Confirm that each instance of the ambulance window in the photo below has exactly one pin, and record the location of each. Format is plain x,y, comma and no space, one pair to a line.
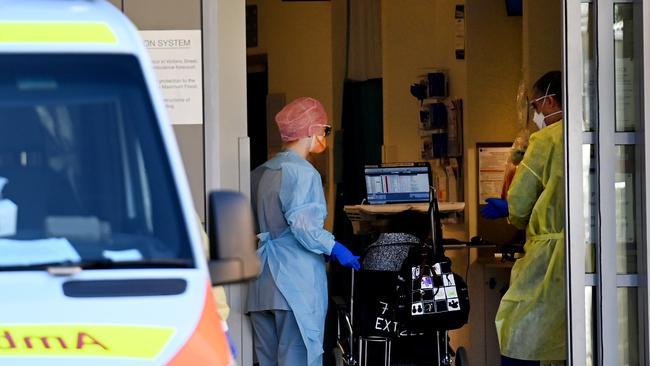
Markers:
86,169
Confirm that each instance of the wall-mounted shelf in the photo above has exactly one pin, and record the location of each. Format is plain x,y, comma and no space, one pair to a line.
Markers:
440,133
430,101
432,131
367,219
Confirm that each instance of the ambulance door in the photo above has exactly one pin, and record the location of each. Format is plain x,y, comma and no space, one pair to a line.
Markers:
606,54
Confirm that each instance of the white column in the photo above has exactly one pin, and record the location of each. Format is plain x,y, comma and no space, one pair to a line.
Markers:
574,219
227,161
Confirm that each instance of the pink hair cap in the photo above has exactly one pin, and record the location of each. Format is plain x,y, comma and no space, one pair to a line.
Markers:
296,118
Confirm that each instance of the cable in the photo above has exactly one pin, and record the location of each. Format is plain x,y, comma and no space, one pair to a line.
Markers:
467,269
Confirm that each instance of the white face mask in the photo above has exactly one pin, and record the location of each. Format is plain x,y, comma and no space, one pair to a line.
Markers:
318,144
538,118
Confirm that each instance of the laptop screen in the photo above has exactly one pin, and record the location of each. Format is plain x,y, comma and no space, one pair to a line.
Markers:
398,184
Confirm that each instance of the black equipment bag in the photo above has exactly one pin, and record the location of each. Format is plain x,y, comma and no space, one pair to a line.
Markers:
413,295
376,285
432,297
374,310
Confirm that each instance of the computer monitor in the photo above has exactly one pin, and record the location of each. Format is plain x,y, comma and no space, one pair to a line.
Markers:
398,183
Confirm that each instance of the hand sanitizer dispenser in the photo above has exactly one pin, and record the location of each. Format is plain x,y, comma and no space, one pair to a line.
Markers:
8,213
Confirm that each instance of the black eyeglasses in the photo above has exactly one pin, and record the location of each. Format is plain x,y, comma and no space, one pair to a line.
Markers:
327,130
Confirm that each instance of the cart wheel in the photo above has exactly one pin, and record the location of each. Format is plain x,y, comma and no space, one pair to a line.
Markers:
461,357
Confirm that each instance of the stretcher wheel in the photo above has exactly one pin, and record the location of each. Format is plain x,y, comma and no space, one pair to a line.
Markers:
461,357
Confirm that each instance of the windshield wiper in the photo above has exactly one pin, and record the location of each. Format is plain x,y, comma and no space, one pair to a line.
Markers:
70,267
142,263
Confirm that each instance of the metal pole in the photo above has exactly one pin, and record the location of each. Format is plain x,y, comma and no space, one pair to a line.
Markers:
352,318
438,346
447,360
352,299
389,352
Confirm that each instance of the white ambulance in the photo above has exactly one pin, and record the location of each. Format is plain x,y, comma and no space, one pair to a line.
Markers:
101,259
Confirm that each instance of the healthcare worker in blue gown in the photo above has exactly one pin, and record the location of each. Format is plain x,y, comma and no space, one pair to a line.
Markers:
287,303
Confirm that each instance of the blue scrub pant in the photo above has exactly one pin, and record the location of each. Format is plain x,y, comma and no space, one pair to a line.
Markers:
277,339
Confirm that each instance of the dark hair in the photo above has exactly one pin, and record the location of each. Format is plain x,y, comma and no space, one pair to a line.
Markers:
551,81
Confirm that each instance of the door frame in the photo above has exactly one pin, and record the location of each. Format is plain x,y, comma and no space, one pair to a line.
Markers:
574,218
606,280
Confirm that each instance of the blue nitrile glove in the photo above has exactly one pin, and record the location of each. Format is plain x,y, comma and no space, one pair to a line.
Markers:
495,208
231,344
345,257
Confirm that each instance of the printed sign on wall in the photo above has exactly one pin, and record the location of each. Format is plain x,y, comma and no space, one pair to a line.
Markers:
491,169
176,59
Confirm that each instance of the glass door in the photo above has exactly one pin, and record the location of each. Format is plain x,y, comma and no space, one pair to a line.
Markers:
606,164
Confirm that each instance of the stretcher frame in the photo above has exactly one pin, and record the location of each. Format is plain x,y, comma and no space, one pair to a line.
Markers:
345,336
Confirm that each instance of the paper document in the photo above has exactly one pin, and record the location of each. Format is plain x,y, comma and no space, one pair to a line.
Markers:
123,255
491,169
8,213
29,252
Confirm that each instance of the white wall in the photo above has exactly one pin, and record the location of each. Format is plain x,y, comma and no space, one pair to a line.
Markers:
175,15
298,39
339,54
501,52
542,38
494,64
494,70
416,35
227,163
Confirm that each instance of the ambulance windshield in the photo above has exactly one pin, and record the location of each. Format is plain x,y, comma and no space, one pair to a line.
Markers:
86,172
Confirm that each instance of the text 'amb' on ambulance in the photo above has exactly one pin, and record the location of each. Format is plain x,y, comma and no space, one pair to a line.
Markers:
101,259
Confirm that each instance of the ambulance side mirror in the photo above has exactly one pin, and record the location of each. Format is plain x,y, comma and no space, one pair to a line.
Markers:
233,256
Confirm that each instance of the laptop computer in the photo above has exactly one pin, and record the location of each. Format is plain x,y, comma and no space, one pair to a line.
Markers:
398,183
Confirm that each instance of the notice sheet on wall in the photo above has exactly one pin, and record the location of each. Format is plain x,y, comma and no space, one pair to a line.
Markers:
491,169
176,58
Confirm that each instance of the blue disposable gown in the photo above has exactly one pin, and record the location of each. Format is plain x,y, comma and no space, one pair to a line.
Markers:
289,204
531,320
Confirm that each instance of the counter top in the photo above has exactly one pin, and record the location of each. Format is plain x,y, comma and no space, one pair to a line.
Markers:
395,208
371,218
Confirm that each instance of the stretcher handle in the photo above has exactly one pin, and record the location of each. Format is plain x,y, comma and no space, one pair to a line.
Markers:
436,228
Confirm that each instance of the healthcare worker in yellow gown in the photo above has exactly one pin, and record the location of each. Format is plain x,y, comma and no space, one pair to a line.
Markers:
531,320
